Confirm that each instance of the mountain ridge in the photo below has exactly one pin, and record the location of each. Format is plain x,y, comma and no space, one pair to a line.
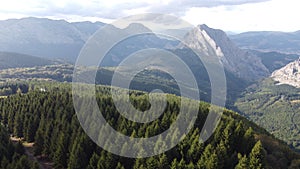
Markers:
240,62
17,60
285,42
45,37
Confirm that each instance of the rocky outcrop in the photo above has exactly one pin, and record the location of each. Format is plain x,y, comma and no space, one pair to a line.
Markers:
240,62
289,74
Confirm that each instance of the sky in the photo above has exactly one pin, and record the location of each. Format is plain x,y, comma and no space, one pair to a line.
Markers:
228,15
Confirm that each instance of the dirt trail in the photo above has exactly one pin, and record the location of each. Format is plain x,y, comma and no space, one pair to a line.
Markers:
43,164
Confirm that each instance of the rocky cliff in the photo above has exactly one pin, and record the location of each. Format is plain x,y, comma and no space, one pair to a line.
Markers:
289,74
240,62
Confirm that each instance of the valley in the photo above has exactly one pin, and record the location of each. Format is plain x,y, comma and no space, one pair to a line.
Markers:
259,128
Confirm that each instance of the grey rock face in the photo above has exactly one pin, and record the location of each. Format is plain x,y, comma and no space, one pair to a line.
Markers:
240,62
289,74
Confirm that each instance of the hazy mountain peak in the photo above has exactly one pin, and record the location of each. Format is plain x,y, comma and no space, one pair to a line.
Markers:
137,27
45,37
198,39
289,74
284,42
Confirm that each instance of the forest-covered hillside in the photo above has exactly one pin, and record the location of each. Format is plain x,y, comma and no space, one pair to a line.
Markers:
16,60
47,118
275,108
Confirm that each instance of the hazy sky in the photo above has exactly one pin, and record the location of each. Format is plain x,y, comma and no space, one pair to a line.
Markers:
229,15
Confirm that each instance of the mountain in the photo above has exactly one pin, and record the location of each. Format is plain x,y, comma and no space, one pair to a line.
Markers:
64,40
274,60
54,39
286,42
243,64
44,37
274,103
16,60
61,39
289,74
143,38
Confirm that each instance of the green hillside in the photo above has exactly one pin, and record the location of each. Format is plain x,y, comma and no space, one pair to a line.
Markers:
47,118
16,60
274,107
275,60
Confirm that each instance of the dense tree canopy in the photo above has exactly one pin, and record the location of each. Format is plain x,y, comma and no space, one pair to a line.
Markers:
47,118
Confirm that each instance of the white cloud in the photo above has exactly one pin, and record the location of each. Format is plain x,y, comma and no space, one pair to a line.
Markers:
276,15
104,8
234,15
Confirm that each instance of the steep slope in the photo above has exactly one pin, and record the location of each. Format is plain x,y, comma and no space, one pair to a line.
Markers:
239,62
286,42
61,39
15,60
274,60
45,37
274,103
64,40
274,107
132,44
289,74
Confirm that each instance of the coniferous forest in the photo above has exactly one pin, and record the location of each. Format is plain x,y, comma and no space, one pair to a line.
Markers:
47,118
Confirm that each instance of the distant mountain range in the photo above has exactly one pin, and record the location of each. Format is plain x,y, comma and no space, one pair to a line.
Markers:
16,60
54,39
44,37
286,42
274,60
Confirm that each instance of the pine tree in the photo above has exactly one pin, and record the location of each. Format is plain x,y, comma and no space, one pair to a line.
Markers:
222,155
4,162
93,161
30,130
163,161
249,141
61,154
47,138
205,157
174,164
35,165
20,148
18,126
243,162
212,162
39,142
151,163
257,157
106,161
191,166
23,163
181,164
120,166
194,152
78,152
